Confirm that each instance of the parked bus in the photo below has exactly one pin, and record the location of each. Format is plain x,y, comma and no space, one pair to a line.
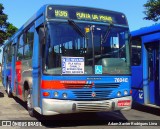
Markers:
145,65
70,59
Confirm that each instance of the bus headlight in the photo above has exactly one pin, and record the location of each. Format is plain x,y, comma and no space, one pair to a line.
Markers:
118,93
55,94
125,92
64,95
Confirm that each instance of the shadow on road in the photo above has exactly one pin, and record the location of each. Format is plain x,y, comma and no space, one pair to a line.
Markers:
1,94
20,102
77,119
80,119
147,109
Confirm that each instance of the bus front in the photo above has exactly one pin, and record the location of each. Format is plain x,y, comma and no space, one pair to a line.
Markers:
86,61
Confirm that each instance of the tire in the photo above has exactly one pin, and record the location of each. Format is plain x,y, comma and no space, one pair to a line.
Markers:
9,93
29,104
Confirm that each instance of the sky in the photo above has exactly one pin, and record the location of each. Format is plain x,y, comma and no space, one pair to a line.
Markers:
19,11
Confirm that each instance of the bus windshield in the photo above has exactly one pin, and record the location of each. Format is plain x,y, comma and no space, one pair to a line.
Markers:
100,46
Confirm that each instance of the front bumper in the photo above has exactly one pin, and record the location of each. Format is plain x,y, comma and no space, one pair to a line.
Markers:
54,106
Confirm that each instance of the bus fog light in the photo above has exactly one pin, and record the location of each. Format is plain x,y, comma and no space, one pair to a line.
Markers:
119,94
55,94
64,95
125,92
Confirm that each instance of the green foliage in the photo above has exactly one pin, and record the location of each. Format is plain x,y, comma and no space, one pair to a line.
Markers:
152,10
11,30
6,28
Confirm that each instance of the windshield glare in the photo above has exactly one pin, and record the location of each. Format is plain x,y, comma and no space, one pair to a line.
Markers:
64,42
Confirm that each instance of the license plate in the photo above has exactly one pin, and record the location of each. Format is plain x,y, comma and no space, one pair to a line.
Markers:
122,103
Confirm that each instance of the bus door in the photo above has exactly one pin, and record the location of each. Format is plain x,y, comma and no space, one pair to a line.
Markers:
153,69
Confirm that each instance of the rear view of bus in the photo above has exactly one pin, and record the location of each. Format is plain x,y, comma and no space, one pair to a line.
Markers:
80,61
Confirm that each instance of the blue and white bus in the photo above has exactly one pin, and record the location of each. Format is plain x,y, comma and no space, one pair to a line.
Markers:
70,59
145,65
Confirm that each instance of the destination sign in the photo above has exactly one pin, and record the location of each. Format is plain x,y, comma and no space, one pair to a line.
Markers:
72,65
85,14
93,17
61,13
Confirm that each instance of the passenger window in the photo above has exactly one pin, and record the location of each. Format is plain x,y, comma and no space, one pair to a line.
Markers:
28,47
136,51
20,48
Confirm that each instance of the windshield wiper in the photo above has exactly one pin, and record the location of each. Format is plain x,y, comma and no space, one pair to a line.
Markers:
77,28
107,33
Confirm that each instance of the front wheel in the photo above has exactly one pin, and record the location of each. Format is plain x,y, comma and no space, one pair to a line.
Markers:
9,93
29,105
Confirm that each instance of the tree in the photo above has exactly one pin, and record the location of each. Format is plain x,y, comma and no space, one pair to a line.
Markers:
152,10
6,29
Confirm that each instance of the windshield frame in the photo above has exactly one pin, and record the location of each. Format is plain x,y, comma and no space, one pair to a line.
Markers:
84,22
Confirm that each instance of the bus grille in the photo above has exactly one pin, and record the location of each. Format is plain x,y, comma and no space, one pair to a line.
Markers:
97,85
94,106
98,95
107,85
77,86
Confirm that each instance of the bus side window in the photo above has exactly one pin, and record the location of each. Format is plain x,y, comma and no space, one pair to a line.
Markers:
41,33
20,48
28,47
136,52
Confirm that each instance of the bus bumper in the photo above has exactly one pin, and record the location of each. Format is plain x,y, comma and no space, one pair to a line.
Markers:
54,106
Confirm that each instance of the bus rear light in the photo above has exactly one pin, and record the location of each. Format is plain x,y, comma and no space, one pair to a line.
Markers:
130,91
45,94
122,103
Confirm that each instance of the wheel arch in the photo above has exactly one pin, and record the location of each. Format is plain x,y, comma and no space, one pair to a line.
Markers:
27,85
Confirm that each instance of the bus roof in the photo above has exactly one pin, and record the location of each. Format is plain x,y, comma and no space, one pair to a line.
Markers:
43,9
37,14
146,30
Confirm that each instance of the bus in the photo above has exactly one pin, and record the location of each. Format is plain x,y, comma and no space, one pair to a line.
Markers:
145,65
70,59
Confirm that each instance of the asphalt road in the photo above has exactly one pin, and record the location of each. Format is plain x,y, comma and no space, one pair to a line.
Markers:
14,109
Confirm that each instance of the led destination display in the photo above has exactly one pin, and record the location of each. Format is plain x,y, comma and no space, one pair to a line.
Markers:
85,14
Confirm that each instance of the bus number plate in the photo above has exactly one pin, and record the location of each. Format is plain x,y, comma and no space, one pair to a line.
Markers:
121,79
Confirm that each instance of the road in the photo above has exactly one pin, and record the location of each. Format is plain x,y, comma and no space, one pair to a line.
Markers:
14,109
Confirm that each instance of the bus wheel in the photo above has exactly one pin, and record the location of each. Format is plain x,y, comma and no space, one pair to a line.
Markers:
9,89
29,105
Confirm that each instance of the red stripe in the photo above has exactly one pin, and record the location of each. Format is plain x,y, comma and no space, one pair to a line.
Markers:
50,84
19,77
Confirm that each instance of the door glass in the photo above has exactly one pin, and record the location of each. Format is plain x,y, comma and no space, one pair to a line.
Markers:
150,63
